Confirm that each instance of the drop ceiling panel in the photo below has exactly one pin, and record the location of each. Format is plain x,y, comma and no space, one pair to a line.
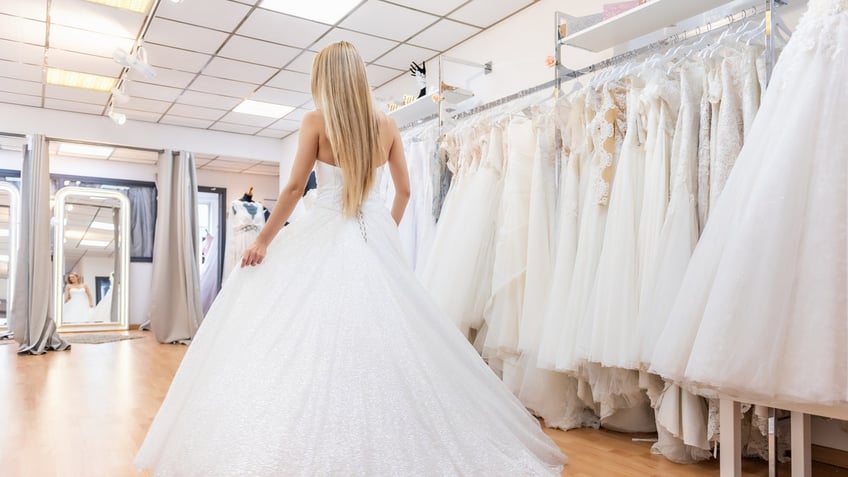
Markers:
218,14
23,99
238,70
291,80
175,58
264,170
188,122
10,85
286,125
21,52
247,119
196,112
22,29
379,75
73,61
189,37
258,51
67,38
76,94
400,57
370,47
209,100
138,115
278,28
485,13
273,133
74,106
280,96
303,63
436,7
444,35
36,10
235,128
297,114
208,84
97,18
152,91
9,69
150,105
388,21
166,77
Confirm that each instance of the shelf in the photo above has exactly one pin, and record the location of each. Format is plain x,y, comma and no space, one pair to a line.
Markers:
419,109
640,21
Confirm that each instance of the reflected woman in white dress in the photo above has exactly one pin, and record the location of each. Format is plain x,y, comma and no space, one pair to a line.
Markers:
78,301
323,355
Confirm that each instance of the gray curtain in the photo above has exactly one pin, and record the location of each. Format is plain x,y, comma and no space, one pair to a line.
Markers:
175,311
31,317
142,220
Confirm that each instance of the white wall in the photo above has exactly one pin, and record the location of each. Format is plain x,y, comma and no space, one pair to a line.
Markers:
265,188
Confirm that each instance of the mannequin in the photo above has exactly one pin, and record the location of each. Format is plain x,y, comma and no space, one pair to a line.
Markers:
419,72
247,218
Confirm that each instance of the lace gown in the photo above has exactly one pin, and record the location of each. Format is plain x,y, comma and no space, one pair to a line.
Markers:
331,359
762,308
246,221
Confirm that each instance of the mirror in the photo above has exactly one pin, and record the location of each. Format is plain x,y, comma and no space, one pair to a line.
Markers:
9,231
91,259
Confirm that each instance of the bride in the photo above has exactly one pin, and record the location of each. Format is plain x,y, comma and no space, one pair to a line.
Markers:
325,356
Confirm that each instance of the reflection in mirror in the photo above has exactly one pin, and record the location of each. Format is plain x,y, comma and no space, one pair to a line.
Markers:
9,230
91,260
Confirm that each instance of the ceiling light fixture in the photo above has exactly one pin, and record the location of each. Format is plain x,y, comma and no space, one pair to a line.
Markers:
138,6
118,118
102,226
86,150
4,232
258,108
119,94
75,79
137,62
94,243
329,11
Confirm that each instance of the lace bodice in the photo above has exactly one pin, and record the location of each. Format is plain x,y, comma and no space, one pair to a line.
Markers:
607,128
247,215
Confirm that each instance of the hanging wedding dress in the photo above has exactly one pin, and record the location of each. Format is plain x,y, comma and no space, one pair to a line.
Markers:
102,312
761,311
246,221
330,359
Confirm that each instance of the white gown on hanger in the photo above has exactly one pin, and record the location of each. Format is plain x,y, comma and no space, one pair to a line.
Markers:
331,359
246,221
102,313
761,311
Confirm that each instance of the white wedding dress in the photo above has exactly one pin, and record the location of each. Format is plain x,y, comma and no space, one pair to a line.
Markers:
761,311
76,310
245,223
330,359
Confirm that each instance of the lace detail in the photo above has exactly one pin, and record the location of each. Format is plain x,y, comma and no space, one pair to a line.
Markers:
817,34
826,7
607,128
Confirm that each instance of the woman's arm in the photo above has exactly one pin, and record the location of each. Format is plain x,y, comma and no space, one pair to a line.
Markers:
399,171
67,293
90,298
304,162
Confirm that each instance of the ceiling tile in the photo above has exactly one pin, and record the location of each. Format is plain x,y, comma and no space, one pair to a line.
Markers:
238,70
262,169
166,77
291,80
218,14
280,96
25,8
286,125
297,114
152,91
23,99
283,29
76,94
436,7
150,105
379,75
174,58
197,98
139,115
444,35
235,128
247,119
9,69
370,47
258,51
188,122
400,57
22,29
73,61
208,84
274,133
21,52
72,106
388,21
485,13
303,63
97,18
10,85
67,38
189,37
196,112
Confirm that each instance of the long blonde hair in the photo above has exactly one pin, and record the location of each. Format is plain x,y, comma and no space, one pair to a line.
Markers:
340,90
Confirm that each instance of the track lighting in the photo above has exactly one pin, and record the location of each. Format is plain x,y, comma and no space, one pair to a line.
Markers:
137,62
118,118
120,95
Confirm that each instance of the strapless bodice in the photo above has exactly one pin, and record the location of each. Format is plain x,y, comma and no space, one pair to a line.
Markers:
330,184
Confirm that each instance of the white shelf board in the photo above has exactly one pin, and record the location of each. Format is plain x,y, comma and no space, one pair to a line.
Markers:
640,21
418,109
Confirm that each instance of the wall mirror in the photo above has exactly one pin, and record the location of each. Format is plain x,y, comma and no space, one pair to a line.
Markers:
91,259
9,233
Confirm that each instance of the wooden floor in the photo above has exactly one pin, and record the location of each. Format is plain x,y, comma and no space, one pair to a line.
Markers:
84,413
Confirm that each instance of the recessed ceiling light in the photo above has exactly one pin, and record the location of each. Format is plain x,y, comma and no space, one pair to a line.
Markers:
4,258
74,234
76,79
138,6
328,11
102,226
87,150
258,108
94,243
4,232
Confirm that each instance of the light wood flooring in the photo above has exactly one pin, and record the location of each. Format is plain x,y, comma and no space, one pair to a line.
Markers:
84,413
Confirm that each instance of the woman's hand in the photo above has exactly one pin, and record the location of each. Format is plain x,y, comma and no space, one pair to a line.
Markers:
254,255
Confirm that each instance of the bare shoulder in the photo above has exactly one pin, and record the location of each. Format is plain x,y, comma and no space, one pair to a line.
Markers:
387,121
312,118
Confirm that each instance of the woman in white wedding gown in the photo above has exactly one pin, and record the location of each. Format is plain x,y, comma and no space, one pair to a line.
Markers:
78,301
327,357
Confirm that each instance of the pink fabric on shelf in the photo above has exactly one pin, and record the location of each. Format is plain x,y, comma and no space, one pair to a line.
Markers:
617,8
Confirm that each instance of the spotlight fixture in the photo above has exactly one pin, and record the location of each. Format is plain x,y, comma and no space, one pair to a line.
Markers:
118,118
137,62
119,94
